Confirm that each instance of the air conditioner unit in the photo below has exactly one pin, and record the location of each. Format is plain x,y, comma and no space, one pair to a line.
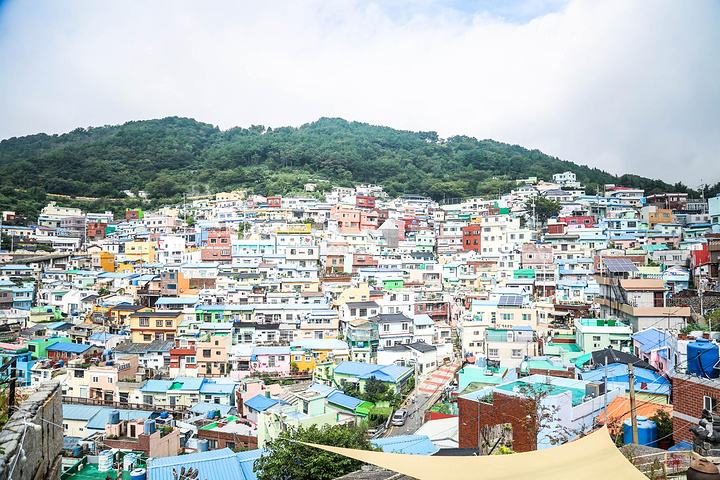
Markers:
594,389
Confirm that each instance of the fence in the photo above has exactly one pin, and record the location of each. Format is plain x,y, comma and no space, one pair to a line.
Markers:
8,381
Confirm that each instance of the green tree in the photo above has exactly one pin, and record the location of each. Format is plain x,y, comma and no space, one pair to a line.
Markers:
285,459
544,209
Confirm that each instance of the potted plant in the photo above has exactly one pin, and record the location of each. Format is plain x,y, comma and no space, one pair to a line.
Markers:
664,422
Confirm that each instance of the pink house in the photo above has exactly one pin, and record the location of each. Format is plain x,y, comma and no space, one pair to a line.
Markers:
252,387
273,360
103,379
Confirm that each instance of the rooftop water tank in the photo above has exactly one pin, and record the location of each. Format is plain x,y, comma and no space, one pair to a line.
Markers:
114,417
149,427
202,445
647,432
105,460
164,415
702,356
138,474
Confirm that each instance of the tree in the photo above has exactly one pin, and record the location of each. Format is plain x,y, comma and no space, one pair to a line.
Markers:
544,209
285,459
542,416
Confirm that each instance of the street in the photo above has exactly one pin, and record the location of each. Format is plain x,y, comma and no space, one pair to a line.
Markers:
429,386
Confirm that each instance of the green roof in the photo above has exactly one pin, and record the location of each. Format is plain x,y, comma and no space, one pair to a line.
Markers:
568,347
582,360
577,393
176,386
542,365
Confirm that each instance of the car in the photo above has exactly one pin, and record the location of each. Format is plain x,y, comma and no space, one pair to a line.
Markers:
399,418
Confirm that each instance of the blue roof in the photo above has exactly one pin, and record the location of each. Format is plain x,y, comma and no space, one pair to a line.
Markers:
385,373
214,464
102,418
422,319
205,407
522,328
346,401
156,386
645,380
209,388
261,403
190,383
80,412
650,339
56,325
407,444
68,347
323,390
101,336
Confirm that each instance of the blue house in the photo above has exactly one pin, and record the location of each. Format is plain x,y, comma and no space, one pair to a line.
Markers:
648,384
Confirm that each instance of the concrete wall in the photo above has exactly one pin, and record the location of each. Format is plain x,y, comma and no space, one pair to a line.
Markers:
42,447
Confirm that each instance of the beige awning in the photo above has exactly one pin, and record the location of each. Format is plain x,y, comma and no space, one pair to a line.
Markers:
591,457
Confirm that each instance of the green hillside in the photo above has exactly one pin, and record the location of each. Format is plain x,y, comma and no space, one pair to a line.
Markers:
173,155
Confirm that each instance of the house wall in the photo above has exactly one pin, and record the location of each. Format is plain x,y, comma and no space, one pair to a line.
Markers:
688,394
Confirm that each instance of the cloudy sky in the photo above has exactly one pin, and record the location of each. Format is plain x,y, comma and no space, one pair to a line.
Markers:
628,86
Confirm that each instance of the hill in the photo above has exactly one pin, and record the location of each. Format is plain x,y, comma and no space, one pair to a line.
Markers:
173,155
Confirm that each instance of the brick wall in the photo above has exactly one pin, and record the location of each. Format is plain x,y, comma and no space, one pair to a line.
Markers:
222,438
504,409
688,393
550,373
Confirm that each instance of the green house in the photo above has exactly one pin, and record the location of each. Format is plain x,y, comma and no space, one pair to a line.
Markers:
38,347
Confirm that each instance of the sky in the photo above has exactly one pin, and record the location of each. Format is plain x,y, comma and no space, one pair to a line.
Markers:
628,86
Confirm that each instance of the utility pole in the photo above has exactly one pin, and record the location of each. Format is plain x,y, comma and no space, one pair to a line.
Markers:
633,411
605,391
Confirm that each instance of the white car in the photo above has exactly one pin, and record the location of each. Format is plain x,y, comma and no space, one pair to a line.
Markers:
399,418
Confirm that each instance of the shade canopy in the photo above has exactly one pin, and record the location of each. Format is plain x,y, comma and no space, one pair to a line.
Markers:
591,457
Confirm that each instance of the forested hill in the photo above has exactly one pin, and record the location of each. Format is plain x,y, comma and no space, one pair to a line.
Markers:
173,155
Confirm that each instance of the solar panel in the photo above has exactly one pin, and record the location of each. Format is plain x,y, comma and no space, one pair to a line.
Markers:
617,265
510,301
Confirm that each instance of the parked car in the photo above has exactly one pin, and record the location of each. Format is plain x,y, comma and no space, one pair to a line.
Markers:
399,418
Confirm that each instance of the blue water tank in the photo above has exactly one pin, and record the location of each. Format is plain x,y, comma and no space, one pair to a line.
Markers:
138,474
77,451
702,356
61,363
647,432
164,415
114,417
211,414
149,427
202,445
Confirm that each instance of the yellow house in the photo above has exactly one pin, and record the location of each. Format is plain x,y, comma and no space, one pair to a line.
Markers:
300,284
104,260
144,251
147,325
361,293
305,355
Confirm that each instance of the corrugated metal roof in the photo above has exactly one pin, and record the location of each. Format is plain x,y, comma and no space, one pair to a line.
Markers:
68,347
80,412
407,444
261,403
217,388
102,418
215,464
205,407
339,398
156,386
190,383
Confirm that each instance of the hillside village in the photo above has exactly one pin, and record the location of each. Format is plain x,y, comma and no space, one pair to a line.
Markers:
209,327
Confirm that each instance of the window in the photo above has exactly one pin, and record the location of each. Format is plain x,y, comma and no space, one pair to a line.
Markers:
147,338
281,358
144,322
492,352
168,323
404,327
95,379
516,353
158,323
386,327
710,404
596,338
206,353
109,380
159,336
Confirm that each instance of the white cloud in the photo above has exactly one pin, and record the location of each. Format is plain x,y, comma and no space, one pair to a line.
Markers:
628,86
